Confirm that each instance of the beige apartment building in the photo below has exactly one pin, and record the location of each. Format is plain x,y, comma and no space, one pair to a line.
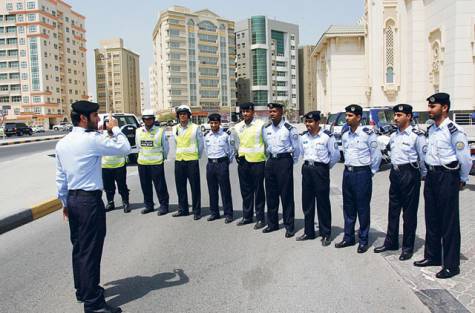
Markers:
117,78
42,60
194,56
307,77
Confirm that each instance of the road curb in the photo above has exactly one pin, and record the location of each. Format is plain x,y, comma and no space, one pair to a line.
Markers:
28,215
30,140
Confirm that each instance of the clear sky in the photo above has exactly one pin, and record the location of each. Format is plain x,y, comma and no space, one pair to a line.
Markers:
134,21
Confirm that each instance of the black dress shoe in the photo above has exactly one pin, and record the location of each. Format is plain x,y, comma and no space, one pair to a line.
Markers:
178,214
362,248
289,233
105,309
426,262
161,213
405,255
228,220
110,206
383,248
268,230
259,225
344,244
126,206
304,237
447,273
244,221
326,241
196,217
213,218
147,210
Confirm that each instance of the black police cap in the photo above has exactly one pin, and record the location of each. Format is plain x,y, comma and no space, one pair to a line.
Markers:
246,106
85,107
214,117
312,115
403,108
440,97
355,109
275,105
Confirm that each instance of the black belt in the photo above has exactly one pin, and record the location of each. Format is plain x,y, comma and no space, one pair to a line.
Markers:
357,168
314,163
406,166
281,155
218,160
453,166
80,192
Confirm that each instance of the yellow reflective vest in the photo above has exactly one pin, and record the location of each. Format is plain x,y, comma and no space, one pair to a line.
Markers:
186,143
251,143
150,145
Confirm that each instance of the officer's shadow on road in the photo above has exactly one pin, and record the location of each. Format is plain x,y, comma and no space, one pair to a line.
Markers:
129,289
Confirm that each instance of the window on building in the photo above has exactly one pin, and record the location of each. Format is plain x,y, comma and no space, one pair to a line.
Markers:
389,51
30,5
19,6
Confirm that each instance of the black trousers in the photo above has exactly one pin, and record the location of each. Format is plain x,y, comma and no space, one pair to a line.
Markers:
154,174
188,170
251,182
441,194
280,184
403,195
316,184
113,176
87,224
217,176
357,192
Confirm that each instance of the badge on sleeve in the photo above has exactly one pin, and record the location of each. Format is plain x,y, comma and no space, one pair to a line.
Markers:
336,145
374,144
295,136
424,149
232,142
460,145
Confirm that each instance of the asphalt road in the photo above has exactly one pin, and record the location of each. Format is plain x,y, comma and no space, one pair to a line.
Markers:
24,149
166,264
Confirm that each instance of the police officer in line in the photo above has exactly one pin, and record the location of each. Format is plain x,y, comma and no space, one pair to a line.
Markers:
448,165
407,146
153,151
362,160
220,154
320,153
251,157
79,182
189,146
283,150
114,171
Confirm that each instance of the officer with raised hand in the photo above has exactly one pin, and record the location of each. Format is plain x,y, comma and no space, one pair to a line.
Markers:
283,150
114,171
189,146
79,182
407,145
220,154
320,153
249,144
153,151
362,160
448,165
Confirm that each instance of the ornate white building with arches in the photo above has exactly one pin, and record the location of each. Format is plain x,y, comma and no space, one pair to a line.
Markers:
401,51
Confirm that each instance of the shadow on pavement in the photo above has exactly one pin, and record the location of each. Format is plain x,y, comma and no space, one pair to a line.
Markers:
129,289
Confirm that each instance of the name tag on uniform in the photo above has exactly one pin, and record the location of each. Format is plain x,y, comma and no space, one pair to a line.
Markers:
269,133
146,143
406,143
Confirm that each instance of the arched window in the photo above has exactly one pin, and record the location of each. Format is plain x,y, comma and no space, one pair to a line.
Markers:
206,25
191,22
389,52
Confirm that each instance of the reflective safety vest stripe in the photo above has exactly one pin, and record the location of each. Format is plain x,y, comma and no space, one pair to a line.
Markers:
251,143
113,161
150,146
186,143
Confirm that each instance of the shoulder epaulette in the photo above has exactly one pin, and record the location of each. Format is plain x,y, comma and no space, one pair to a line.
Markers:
206,133
418,132
452,128
304,133
288,126
269,123
92,131
329,133
345,129
228,132
367,130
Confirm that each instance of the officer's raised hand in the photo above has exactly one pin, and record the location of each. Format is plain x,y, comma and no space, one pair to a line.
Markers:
111,123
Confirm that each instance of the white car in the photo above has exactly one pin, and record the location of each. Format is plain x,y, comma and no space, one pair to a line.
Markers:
63,126
38,129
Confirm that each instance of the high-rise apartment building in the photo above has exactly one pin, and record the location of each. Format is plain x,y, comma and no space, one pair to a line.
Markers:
42,60
267,63
117,78
194,55
307,80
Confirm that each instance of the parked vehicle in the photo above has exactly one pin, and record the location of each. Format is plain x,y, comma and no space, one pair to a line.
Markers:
38,129
128,124
63,126
472,152
18,129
